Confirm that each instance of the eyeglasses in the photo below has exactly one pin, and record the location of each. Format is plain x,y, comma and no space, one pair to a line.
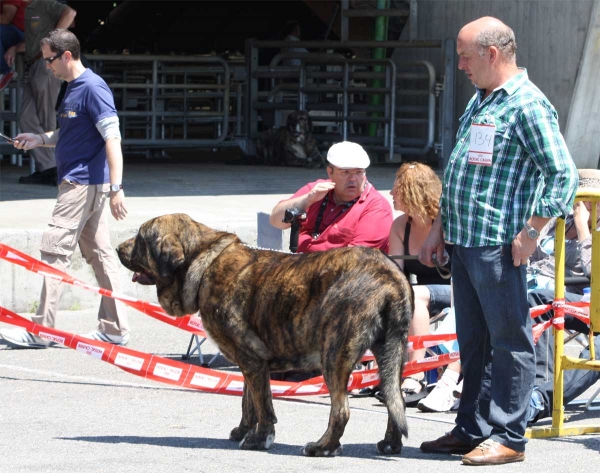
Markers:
346,173
50,60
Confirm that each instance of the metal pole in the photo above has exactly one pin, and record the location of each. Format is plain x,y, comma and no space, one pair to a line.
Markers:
448,102
380,34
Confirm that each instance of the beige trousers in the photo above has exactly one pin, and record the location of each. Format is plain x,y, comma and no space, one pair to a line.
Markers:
81,216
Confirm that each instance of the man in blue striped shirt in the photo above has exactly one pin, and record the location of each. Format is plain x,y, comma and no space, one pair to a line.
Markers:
509,173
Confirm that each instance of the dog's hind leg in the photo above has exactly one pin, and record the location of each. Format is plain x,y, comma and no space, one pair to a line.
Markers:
336,373
389,359
249,419
256,381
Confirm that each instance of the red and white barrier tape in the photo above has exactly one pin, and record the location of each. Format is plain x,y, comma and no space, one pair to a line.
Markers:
196,377
192,324
189,323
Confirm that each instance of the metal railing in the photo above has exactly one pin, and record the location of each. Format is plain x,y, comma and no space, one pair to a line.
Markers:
171,101
207,102
338,90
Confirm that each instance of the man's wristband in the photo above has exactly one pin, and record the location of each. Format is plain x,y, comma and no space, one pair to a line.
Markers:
116,187
43,139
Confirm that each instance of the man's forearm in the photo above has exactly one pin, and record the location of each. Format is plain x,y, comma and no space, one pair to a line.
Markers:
7,15
538,222
50,138
114,156
66,18
276,218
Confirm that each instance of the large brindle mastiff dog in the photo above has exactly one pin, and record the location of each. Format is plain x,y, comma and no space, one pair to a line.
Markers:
270,311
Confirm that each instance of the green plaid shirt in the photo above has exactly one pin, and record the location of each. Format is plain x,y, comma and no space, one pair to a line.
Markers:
532,172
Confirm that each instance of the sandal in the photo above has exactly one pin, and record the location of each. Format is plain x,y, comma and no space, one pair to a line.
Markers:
411,395
366,392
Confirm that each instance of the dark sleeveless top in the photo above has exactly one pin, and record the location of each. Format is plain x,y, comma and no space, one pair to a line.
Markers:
425,274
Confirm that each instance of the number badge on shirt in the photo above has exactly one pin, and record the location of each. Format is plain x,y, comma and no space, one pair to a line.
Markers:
481,149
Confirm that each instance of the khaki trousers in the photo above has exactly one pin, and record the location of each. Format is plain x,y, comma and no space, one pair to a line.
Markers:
37,114
81,216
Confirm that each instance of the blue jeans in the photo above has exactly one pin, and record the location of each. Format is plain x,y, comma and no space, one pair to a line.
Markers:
493,327
440,297
9,36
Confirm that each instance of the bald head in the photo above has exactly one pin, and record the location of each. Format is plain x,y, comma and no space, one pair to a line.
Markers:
488,31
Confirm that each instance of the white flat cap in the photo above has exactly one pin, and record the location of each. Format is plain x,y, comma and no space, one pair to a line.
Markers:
348,155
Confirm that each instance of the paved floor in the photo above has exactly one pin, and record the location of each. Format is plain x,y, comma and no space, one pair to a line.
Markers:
211,191
62,411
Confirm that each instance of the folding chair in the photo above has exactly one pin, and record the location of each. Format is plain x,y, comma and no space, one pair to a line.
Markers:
197,348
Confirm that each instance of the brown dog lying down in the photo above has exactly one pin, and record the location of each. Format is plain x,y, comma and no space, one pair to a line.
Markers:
270,311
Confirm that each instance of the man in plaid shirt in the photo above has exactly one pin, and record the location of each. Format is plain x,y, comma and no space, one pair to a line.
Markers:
509,173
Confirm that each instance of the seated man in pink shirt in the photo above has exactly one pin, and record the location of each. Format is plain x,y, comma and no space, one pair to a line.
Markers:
344,210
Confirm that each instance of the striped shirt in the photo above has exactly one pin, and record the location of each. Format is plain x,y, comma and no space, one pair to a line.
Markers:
532,172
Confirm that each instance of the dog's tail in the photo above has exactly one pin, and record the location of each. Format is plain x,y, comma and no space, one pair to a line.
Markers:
391,358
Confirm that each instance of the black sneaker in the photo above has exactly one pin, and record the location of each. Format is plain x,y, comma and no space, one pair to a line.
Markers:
49,176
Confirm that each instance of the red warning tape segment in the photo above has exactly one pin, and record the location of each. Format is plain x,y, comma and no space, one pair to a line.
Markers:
189,323
142,364
558,320
196,377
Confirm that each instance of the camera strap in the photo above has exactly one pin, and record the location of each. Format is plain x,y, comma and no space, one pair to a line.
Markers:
316,233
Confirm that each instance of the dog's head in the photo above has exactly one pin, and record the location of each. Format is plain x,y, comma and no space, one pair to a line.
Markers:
161,254
299,124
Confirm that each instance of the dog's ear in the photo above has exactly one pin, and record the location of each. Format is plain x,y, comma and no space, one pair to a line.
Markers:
292,121
309,121
168,255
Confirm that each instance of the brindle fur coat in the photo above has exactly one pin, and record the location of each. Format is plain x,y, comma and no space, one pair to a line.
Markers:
270,311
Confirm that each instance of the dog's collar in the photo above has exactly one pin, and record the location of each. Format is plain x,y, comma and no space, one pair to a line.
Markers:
196,271
265,249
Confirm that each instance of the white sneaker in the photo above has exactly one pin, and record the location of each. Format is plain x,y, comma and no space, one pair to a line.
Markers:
120,340
19,338
458,389
441,399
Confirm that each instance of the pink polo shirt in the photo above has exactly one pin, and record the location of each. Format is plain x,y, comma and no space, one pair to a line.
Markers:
366,223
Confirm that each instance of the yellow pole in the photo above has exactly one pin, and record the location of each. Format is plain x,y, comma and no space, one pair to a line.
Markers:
594,283
559,295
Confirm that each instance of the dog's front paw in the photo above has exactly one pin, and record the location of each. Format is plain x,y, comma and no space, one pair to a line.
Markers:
314,449
259,439
389,448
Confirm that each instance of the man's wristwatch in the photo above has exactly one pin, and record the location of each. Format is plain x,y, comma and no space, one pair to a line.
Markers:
116,187
531,232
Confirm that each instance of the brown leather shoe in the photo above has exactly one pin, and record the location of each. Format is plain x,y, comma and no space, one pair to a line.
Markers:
447,443
491,452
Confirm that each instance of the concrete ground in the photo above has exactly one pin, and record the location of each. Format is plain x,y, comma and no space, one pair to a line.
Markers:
61,411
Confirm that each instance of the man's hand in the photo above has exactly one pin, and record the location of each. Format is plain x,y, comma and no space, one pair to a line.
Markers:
9,56
522,248
318,192
434,244
117,205
27,141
